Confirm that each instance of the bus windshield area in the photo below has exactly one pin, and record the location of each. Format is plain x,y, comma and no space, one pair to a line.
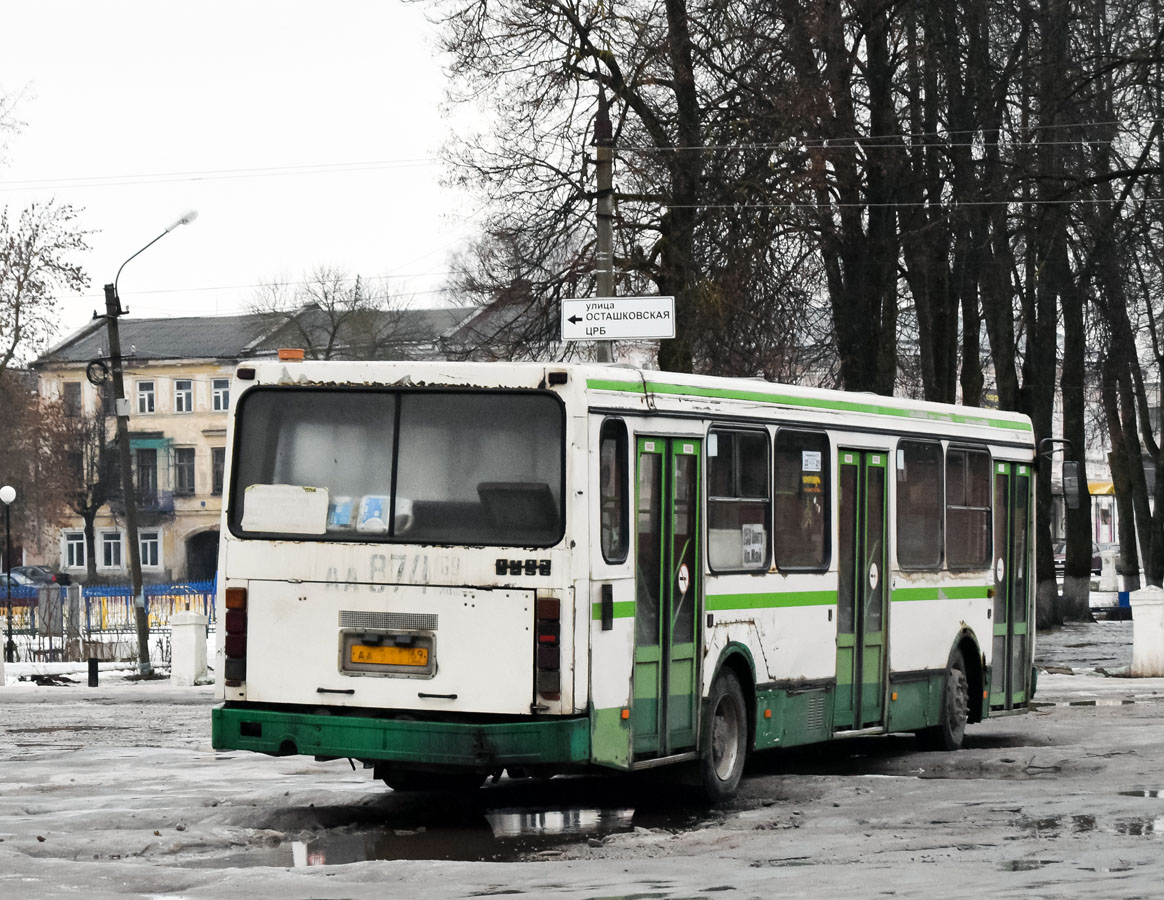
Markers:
435,467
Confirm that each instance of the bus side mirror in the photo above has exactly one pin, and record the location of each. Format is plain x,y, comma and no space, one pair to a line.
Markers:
1071,483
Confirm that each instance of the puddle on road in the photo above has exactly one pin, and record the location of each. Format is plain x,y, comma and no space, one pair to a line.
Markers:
500,835
1026,865
1142,793
497,835
1055,826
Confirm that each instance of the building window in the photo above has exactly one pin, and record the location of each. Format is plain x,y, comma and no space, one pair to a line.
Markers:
145,396
218,467
919,504
148,541
221,391
75,461
111,549
147,474
967,508
737,502
75,550
802,503
71,398
183,395
184,470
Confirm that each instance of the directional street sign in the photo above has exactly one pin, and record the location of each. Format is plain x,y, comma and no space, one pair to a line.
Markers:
618,318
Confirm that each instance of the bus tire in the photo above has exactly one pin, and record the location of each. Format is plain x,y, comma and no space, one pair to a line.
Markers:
950,731
724,749
402,778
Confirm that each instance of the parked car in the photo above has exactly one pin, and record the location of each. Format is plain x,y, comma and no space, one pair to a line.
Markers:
19,584
42,575
1061,558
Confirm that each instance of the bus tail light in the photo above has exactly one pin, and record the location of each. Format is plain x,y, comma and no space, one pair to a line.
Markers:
548,632
235,666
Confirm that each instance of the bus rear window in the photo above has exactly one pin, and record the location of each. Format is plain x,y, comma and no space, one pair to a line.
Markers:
480,467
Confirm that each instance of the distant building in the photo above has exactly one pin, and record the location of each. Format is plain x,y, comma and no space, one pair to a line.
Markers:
177,380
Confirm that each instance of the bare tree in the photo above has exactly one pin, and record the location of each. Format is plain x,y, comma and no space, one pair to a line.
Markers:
36,251
330,314
33,459
91,465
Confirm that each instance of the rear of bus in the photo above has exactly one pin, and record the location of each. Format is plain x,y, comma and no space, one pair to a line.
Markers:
394,579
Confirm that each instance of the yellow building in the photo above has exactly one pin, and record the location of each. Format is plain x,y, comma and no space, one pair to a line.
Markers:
177,379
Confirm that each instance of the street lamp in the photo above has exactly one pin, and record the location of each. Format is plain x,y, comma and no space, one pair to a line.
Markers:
112,311
7,495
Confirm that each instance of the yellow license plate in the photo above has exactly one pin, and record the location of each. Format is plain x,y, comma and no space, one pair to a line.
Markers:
389,656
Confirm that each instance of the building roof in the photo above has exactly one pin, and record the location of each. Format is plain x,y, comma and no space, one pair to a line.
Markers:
228,338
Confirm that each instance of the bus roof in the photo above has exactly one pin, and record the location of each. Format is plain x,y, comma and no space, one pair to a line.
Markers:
634,388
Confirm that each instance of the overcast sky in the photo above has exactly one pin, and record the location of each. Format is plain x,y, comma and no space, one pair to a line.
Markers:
304,133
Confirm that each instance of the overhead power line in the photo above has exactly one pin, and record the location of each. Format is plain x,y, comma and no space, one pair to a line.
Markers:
256,285
126,179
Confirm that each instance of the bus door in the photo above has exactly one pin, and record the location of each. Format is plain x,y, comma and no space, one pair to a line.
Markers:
861,591
1011,648
667,576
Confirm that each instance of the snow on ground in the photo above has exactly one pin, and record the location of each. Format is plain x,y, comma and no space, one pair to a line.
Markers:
114,792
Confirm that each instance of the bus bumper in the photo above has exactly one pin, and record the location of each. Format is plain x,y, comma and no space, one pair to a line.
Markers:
477,746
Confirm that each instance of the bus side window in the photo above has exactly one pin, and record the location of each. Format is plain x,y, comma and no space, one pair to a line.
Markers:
919,504
968,534
737,500
801,468
612,491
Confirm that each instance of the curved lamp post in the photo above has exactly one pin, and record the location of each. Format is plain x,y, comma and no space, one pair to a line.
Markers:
112,311
7,495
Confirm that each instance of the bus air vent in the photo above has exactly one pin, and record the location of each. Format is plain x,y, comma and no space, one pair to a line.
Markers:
387,621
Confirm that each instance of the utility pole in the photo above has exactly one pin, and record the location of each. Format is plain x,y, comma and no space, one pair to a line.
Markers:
112,311
603,154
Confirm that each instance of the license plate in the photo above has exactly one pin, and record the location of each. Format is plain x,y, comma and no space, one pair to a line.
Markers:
388,656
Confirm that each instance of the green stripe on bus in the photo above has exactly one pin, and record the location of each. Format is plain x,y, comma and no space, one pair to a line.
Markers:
854,406
969,592
624,609
721,602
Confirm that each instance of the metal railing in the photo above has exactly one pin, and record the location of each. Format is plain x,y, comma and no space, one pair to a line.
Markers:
49,624
111,607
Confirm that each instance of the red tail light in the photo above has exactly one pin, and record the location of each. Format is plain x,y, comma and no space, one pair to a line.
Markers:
548,630
235,666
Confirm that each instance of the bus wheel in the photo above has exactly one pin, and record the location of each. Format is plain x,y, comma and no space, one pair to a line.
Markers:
402,778
724,746
951,728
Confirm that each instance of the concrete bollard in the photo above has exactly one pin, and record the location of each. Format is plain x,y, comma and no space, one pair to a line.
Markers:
1147,633
187,648
93,670
1108,577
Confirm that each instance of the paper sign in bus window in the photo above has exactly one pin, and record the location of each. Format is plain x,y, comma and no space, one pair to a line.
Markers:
373,515
340,514
810,460
285,509
754,540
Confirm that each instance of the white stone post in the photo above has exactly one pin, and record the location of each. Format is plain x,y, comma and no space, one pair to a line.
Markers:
1147,632
187,648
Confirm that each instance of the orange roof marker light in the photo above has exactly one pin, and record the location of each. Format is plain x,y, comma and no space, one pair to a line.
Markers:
290,354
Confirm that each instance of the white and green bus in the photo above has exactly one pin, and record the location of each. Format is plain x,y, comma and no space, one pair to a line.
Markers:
451,570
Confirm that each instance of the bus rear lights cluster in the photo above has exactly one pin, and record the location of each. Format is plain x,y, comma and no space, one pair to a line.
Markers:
235,671
547,628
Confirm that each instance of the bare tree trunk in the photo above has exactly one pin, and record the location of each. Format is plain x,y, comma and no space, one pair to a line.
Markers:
1077,577
678,253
